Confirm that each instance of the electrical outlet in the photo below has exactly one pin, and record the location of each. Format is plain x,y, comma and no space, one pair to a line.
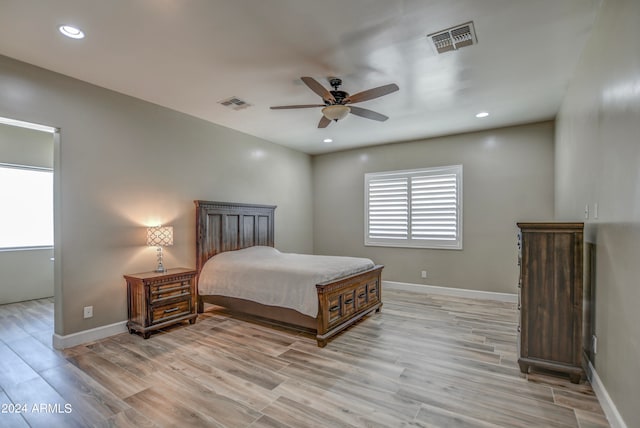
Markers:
595,344
88,311
423,274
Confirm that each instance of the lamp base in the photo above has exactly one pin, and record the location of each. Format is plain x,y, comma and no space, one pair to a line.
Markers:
160,268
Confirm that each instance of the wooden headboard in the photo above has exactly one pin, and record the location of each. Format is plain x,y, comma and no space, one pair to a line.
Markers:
226,226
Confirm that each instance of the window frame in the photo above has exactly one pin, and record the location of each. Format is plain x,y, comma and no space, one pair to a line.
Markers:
35,246
409,241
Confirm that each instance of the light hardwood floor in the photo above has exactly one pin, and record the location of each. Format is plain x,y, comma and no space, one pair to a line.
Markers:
424,361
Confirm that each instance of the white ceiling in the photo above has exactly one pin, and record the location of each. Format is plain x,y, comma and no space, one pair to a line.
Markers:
188,55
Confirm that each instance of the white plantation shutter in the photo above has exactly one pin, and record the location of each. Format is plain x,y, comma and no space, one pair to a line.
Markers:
434,207
389,208
415,208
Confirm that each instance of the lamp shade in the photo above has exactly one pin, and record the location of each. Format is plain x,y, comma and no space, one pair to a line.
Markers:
160,236
336,112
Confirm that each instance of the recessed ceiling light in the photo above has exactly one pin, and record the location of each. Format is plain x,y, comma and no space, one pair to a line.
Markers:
482,114
327,140
71,31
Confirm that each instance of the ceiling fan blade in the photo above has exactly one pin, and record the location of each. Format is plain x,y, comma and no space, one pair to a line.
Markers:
369,114
297,106
372,93
318,88
324,122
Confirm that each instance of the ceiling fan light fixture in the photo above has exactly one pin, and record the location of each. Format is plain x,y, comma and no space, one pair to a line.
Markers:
336,112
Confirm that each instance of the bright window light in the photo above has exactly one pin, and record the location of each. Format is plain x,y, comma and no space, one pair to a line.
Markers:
328,140
71,31
482,114
22,226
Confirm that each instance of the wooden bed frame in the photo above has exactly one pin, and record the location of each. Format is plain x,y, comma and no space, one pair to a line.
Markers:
222,226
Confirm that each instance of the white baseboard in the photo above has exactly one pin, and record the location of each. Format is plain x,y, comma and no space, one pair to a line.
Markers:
74,339
458,292
608,406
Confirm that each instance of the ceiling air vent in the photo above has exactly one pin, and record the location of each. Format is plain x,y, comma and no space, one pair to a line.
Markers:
453,38
234,103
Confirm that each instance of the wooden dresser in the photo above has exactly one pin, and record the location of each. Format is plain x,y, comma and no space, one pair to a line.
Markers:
159,299
551,297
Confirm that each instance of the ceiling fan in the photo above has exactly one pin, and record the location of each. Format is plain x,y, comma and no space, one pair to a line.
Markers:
337,103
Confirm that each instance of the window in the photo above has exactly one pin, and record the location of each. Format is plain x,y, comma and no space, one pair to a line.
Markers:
26,216
419,208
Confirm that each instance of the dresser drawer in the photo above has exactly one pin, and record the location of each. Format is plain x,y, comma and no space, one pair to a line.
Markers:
165,312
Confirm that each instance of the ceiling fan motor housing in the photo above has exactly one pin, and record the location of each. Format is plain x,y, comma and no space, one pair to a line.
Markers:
340,96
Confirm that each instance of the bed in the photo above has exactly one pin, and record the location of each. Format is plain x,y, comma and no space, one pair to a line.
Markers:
223,227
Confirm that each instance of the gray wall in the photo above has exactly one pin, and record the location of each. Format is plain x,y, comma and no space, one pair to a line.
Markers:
598,161
25,274
122,164
508,177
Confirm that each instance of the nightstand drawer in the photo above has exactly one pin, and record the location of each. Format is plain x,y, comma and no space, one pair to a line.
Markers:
163,292
172,310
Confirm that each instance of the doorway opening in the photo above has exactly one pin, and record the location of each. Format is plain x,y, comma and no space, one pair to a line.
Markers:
27,226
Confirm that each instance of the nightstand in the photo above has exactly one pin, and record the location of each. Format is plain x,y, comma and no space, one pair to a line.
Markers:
159,299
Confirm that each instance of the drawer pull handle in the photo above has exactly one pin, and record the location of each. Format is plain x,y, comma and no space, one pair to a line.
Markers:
373,290
362,295
170,290
168,311
348,301
334,308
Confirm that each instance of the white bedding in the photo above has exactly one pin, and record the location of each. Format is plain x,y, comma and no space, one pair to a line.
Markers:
267,276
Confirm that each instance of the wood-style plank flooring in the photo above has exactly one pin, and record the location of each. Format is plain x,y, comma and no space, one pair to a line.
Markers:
424,361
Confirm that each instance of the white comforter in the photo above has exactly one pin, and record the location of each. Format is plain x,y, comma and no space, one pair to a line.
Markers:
267,276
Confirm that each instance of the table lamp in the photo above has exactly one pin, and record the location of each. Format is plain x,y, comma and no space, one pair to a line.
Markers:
160,236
